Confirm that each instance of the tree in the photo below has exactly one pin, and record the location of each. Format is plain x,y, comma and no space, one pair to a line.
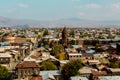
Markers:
97,47
71,68
114,65
57,51
101,37
45,32
3,72
48,66
72,33
57,48
87,42
1,33
61,56
72,42
45,42
39,36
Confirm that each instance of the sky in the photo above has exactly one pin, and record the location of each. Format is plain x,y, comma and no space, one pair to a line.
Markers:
60,9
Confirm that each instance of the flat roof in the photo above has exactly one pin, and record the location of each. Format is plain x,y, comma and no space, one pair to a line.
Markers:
76,54
78,78
115,69
85,70
5,55
109,78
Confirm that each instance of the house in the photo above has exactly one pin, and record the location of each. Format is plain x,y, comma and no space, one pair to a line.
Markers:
74,56
39,56
51,75
2,49
15,40
95,74
32,38
115,71
76,46
109,78
4,43
35,78
15,54
98,73
91,62
85,71
29,45
87,56
78,78
5,59
31,78
27,68
90,51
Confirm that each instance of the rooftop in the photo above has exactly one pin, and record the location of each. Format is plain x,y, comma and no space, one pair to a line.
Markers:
49,74
78,78
115,69
85,70
109,78
75,54
27,64
5,55
98,73
35,78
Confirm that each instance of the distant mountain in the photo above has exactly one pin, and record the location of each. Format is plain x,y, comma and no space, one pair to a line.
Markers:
21,26
70,22
7,22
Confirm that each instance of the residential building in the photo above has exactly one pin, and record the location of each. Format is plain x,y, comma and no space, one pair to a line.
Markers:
26,69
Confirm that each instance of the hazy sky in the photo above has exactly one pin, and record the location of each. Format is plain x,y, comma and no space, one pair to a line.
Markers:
61,9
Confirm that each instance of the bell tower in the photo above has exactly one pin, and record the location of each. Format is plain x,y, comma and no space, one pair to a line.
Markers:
65,37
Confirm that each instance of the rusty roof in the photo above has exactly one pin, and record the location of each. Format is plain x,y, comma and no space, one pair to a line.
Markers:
27,64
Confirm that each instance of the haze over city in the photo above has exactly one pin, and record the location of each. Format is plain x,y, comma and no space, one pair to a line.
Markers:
60,9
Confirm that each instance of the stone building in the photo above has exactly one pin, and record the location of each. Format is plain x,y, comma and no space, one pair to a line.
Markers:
27,69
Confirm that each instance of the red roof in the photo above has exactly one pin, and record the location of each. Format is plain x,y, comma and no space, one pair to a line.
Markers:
35,78
71,52
106,67
114,55
27,64
98,73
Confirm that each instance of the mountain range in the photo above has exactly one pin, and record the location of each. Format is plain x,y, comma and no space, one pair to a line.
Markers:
69,22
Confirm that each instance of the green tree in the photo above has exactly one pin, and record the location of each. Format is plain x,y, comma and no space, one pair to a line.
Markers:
1,33
6,34
72,33
48,66
57,48
45,32
61,56
45,42
57,51
72,42
3,72
39,36
114,65
71,68
101,37
87,42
